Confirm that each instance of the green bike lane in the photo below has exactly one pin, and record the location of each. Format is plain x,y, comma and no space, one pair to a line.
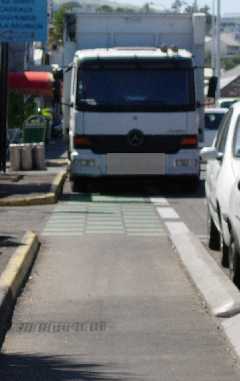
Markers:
108,299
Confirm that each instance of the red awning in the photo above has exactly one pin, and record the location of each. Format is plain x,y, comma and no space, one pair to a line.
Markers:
32,82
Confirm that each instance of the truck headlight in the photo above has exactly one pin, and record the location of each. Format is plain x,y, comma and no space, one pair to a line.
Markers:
185,163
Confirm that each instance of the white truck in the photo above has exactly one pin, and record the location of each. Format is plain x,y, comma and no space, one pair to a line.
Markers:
134,94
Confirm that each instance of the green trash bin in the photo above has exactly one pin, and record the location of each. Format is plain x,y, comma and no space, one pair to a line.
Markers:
34,135
35,129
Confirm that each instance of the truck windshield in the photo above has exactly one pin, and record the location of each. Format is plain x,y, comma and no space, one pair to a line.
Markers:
135,89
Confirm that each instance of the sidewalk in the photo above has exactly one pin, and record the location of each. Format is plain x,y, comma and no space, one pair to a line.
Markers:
33,183
111,303
15,187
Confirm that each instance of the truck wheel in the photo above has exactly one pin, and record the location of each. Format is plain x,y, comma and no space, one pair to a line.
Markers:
214,239
192,184
234,264
79,185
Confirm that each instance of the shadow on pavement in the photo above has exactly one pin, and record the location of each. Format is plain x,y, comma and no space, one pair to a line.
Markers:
55,150
20,189
8,241
25,367
140,188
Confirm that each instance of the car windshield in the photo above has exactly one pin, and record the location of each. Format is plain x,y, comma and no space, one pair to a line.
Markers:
133,88
213,120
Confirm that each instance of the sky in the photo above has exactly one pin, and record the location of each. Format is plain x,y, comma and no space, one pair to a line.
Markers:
227,6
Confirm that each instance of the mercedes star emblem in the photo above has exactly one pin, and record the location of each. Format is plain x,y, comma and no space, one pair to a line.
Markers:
135,138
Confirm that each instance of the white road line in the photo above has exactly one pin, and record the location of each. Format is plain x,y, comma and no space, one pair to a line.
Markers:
177,227
168,213
159,200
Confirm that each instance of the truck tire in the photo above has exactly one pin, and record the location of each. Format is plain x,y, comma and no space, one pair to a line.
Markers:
194,183
214,238
79,185
234,264
225,253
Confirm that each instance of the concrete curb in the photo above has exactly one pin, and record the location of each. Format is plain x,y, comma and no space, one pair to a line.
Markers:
46,199
57,162
231,328
220,294
13,277
58,183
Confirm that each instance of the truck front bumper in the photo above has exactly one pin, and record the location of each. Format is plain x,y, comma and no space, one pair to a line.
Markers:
86,163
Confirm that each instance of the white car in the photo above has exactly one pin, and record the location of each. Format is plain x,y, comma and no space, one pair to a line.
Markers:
222,191
213,118
226,102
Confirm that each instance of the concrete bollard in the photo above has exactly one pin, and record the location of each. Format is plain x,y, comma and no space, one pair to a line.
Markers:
26,157
15,157
39,156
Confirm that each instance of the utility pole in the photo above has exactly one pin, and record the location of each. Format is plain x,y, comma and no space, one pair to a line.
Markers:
218,48
3,105
213,55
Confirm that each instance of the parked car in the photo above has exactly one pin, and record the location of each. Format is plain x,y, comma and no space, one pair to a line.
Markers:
222,191
226,102
213,118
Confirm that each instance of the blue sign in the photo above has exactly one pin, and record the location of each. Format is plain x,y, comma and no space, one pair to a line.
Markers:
23,20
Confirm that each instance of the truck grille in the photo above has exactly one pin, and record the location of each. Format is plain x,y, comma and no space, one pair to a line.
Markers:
135,164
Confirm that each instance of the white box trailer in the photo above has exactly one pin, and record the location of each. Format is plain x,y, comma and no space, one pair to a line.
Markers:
174,43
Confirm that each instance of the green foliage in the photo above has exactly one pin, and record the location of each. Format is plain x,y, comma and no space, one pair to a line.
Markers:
105,8
207,59
230,63
147,8
19,110
124,10
56,32
177,5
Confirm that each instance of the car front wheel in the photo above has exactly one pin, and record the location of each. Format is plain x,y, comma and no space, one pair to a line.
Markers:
214,238
234,264
225,253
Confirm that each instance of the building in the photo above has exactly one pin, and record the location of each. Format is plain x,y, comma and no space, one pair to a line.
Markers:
230,83
230,23
229,45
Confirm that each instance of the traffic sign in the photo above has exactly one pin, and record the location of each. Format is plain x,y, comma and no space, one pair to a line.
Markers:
23,20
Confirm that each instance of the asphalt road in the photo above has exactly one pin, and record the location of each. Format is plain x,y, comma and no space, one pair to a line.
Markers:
108,298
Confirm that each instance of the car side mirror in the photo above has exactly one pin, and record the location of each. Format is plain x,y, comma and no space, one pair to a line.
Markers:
212,87
210,153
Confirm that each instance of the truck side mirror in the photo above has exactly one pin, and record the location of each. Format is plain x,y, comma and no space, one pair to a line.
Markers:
212,87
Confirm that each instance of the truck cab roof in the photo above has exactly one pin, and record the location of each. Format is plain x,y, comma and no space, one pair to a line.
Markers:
134,52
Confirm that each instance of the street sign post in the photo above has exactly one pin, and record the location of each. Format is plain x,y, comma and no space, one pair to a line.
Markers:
3,105
20,21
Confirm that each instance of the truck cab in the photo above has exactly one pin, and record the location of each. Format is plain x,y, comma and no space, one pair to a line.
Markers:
135,110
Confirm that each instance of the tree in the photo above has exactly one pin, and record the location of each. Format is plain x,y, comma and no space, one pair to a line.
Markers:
177,5
124,10
19,109
56,32
146,8
105,8
205,9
